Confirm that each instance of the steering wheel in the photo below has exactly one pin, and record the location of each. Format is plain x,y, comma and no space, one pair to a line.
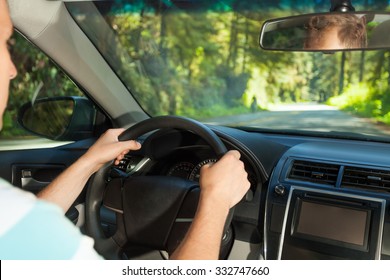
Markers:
151,211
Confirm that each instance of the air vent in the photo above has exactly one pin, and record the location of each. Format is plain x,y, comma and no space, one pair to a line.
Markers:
321,173
366,178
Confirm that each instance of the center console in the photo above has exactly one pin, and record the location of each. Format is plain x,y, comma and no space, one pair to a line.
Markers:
314,210
326,225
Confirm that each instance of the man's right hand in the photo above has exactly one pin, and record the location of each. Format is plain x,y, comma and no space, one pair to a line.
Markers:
224,182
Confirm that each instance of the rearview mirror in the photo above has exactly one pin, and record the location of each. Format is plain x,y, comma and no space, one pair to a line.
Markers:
327,32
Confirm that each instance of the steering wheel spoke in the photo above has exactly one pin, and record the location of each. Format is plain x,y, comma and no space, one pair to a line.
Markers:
151,205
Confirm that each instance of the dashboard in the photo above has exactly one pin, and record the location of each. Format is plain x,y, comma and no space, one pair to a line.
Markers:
310,197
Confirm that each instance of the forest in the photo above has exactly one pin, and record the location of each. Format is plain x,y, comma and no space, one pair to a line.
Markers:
206,61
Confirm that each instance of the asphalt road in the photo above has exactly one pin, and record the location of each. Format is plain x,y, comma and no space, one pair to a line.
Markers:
314,117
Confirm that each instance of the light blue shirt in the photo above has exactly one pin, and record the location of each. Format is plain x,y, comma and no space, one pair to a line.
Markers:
32,229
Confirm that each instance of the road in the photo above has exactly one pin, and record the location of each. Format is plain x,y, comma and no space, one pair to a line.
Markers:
314,117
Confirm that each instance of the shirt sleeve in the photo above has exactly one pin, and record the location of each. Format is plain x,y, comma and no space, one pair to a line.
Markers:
31,229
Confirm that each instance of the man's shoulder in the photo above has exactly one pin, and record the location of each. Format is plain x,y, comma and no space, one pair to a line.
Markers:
35,229
14,205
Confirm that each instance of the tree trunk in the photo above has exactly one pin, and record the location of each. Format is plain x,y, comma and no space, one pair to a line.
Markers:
342,70
163,34
245,48
379,65
388,68
233,43
361,66
139,30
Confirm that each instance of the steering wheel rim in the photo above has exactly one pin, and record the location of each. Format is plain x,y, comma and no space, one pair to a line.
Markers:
111,247
178,123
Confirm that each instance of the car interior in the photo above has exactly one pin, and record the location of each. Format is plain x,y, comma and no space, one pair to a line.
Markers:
319,174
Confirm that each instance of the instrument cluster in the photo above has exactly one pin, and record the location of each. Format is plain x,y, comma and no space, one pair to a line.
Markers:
188,170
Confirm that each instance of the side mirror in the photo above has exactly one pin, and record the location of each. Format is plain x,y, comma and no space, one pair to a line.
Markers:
59,118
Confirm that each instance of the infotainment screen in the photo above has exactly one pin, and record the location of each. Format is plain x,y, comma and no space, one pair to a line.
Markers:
323,224
332,222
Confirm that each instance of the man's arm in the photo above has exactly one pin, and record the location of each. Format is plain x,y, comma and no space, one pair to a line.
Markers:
64,190
223,185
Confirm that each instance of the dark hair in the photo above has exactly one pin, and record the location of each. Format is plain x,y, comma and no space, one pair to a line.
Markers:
351,30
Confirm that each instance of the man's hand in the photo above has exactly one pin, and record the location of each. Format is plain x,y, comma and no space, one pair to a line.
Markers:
108,147
224,182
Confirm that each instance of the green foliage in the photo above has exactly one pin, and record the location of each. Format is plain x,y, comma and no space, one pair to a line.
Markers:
366,101
370,97
217,110
178,63
356,99
37,77
208,63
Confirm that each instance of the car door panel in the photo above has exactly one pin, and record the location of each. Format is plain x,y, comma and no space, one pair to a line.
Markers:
34,169
45,164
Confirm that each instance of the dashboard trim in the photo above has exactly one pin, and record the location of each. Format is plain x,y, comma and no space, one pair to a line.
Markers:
140,165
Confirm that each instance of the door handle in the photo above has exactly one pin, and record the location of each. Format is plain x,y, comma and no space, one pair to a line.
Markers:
30,184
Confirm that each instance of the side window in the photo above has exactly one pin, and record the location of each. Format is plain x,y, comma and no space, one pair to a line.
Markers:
37,78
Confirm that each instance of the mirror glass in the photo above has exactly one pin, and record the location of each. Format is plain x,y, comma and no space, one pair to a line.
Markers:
48,118
327,32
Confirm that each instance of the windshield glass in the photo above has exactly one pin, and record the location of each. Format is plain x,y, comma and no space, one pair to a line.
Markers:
202,59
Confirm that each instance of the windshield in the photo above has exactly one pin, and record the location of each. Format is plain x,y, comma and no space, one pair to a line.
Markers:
202,59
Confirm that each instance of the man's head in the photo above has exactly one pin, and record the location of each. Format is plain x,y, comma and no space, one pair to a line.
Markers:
335,31
7,68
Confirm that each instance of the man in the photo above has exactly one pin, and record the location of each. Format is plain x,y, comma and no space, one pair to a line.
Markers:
32,228
336,31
